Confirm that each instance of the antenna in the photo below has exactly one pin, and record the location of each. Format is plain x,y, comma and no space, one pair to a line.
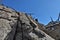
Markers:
58,17
51,19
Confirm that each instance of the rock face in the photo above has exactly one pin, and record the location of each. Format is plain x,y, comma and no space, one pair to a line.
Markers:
53,29
6,21
19,26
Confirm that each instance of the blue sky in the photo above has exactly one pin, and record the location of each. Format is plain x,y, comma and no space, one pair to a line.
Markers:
41,9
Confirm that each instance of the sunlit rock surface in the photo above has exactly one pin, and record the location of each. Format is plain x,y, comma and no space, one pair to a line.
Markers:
20,26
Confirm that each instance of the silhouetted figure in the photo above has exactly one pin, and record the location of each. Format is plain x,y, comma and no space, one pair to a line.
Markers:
36,20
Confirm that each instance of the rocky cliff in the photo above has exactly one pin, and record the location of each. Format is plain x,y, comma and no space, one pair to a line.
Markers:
20,26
